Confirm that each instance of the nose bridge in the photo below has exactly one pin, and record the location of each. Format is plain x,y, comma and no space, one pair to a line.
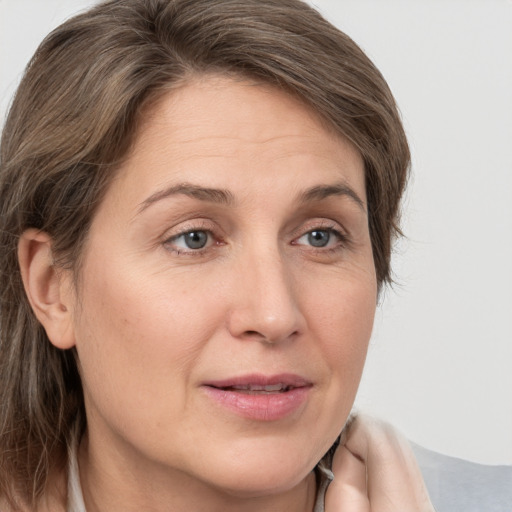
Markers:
266,306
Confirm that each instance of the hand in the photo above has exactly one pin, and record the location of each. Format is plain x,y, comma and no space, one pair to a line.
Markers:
375,471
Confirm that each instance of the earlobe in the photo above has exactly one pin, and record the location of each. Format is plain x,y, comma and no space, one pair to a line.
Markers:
48,289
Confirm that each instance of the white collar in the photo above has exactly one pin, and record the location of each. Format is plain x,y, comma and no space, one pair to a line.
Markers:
75,496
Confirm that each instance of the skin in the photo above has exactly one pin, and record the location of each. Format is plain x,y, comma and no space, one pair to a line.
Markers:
153,319
375,471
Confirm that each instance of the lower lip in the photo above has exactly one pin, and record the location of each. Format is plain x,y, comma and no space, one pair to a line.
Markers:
260,406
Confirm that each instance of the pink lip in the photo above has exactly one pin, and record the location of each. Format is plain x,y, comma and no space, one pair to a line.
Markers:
261,406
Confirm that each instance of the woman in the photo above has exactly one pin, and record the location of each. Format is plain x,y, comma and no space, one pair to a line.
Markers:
198,204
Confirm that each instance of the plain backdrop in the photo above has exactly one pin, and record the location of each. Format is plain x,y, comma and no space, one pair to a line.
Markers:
440,361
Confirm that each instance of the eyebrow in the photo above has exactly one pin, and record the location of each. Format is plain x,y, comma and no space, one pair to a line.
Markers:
212,195
225,197
324,191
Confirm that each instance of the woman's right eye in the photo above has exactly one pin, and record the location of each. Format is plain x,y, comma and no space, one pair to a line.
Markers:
190,241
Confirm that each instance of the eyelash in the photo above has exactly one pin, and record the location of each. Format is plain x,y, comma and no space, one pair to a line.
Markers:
342,240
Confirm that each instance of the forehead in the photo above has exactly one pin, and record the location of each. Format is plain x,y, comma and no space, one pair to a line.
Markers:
233,100
217,129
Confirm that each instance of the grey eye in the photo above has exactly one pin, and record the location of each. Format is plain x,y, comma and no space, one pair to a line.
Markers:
195,239
319,238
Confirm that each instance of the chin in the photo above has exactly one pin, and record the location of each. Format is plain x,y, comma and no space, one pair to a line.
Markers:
262,482
263,470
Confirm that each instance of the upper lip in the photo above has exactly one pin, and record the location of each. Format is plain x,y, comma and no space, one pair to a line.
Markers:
260,381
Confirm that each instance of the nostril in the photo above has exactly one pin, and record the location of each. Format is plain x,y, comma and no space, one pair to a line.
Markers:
258,336
270,338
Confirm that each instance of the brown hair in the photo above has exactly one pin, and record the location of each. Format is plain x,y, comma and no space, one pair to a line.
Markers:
72,120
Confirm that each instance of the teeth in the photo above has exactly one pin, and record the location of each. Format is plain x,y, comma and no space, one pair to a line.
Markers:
275,387
256,387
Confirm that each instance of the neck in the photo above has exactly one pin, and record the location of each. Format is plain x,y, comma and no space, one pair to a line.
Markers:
110,484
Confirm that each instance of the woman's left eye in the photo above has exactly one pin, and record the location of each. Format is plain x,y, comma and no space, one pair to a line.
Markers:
320,238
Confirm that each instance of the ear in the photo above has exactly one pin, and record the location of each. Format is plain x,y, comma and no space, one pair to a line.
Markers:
49,289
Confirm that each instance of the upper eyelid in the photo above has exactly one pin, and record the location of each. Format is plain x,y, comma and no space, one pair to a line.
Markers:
188,230
188,226
320,224
215,230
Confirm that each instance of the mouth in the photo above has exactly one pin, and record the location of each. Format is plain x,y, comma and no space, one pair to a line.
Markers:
256,389
259,397
261,384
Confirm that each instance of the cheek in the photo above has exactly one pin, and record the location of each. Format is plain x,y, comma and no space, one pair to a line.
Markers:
342,312
340,317
342,320
137,335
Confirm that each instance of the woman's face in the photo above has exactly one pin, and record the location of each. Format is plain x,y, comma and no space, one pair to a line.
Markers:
227,293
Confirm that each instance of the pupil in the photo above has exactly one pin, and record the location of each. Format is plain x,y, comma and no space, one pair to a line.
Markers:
318,238
196,239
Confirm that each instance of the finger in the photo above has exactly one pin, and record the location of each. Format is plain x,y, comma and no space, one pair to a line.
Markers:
347,492
395,482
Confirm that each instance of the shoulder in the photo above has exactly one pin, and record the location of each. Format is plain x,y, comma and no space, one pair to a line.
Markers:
458,485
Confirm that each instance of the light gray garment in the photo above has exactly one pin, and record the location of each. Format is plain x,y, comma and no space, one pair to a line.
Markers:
456,485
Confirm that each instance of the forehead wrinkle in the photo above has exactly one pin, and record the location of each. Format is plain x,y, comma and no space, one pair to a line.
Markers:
264,139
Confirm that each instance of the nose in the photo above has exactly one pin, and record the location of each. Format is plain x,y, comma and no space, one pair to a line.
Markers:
265,306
